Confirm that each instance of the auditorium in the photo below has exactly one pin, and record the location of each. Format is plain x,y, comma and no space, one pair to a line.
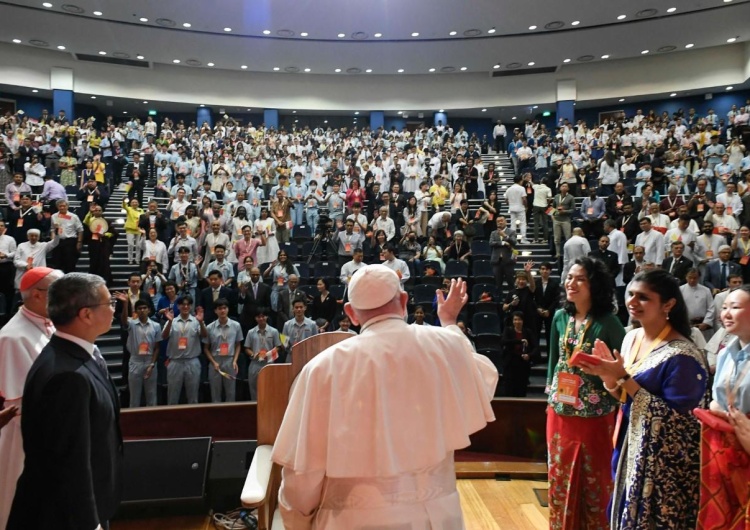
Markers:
354,265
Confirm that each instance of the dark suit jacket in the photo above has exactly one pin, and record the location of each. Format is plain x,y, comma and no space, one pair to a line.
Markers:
144,222
100,199
628,271
253,304
680,269
712,274
632,228
285,298
206,301
72,440
609,258
550,299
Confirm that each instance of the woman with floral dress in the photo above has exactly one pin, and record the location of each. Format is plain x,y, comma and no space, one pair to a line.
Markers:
581,413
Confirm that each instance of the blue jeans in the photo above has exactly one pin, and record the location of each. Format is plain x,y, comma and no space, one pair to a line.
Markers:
312,218
298,215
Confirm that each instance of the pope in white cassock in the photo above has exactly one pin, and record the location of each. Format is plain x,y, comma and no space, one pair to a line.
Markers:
21,341
368,438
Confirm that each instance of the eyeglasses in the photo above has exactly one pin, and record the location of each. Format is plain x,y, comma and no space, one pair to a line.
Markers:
112,303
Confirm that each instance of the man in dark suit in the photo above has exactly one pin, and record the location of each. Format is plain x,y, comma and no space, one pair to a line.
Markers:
547,298
213,292
254,295
616,202
634,266
607,256
502,243
628,223
91,193
70,423
717,272
136,173
153,218
677,264
287,296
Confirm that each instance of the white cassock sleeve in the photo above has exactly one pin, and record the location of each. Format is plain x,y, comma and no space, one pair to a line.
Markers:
299,497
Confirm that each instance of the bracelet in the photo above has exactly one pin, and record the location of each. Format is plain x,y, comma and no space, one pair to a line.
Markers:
612,390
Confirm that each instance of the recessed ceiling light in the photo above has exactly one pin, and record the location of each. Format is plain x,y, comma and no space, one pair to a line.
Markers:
671,10
275,68
463,68
356,112
484,110
210,64
47,4
143,19
491,31
369,70
621,100
307,69
35,91
496,66
102,53
187,25
513,118
325,121
378,35
536,106
249,110
605,56
294,112
176,61
266,32
622,17
145,102
93,97
575,22
244,67
732,39
303,34
400,112
441,110
532,28
432,69
227,29
341,35
202,105
452,33
730,87
140,57
644,52
61,47
689,45
566,60
17,41
415,34
296,121
98,13
337,70
727,1
124,111
400,70
532,63
673,94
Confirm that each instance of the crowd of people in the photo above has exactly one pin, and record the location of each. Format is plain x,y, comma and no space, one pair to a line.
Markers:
253,234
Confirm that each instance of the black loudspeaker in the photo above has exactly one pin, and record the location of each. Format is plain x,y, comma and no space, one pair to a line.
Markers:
230,461
171,469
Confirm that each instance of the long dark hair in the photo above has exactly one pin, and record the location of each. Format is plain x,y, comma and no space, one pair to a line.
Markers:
667,287
601,285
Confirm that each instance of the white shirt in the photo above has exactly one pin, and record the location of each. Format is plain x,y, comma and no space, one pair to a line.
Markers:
399,267
21,341
515,195
35,254
574,248
348,270
354,443
653,242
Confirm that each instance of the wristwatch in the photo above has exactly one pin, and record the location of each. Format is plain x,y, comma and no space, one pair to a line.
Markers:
622,380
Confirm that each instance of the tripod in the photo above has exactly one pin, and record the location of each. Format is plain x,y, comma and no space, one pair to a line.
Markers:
326,248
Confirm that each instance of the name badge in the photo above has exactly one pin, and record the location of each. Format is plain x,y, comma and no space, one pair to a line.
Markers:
182,343
567,388
347,247
143,348
224,349
19,223
90,198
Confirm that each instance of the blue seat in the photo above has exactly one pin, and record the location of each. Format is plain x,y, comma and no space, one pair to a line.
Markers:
424,295
456,269
486,324
291,248
481,271
327,270
480,249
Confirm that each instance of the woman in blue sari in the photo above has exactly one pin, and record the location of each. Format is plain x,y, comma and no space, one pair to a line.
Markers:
659,377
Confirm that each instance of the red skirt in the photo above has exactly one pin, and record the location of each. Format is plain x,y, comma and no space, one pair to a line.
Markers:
725,482
580,477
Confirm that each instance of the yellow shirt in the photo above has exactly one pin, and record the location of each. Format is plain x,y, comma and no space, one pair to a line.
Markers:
439,195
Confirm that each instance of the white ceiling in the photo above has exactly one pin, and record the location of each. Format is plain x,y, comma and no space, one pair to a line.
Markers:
703,23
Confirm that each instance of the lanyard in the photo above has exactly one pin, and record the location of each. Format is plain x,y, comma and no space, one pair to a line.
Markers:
579,336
